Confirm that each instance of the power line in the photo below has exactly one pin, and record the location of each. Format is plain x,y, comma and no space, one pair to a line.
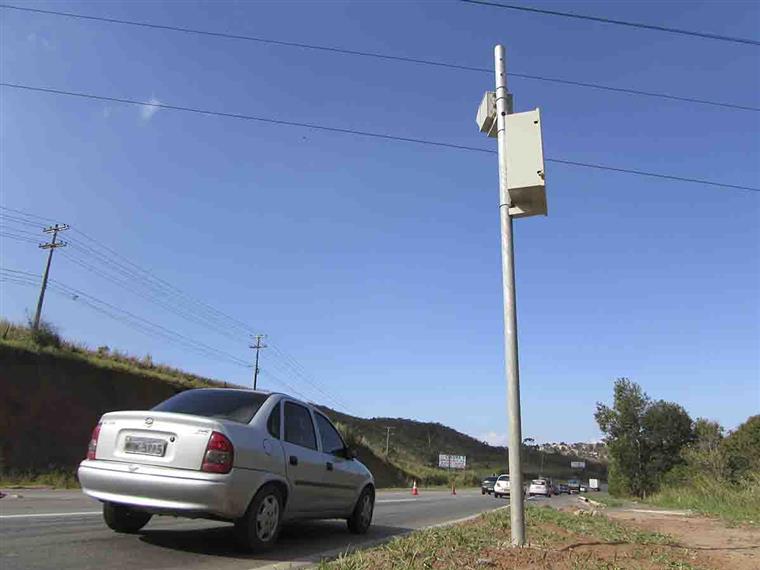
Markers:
37,225
198,313
128,317
43,220
653,174
19,237
705,35
382,56
367,134
147,285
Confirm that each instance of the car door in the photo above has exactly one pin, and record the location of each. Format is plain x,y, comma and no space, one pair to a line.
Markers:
341,476
303,461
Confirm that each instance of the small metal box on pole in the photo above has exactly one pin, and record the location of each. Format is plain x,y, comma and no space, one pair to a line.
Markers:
525,160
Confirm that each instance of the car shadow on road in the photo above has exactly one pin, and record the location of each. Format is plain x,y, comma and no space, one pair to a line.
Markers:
297,541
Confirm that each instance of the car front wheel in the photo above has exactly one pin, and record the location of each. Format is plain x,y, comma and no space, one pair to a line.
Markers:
124,519
361,518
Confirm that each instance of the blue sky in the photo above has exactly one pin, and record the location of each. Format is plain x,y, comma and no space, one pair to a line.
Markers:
376,264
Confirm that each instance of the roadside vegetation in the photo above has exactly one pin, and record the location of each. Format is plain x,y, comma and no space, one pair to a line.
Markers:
56,479
48,340
559,540
660,455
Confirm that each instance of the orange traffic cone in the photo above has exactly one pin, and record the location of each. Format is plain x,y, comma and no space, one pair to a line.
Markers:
453,489
414,489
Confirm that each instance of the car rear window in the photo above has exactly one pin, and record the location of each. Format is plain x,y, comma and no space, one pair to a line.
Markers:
539,482
504,478
232,405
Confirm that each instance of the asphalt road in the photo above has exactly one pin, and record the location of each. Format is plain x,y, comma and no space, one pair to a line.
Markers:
64,529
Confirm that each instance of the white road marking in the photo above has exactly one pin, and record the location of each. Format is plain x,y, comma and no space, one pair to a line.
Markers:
91,513
655,512
395,501
41,515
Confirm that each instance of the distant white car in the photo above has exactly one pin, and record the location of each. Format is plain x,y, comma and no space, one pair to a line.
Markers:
501,487
540,487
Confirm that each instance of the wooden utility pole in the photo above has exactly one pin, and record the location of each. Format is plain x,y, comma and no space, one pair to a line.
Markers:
53,245
258,346
387,438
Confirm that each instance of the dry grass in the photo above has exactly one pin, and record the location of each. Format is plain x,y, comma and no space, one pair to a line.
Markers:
734,502
558,540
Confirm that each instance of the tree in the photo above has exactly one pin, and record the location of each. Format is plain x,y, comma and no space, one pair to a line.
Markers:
644,438
742,448
621,425
707,455
666,429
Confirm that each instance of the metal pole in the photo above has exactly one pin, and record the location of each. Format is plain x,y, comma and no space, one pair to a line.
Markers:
41,299
510,308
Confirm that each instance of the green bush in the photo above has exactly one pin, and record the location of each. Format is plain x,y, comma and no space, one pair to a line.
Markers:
46,335
737,502
742,449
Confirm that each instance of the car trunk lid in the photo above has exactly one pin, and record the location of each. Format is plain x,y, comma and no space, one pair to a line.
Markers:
155,438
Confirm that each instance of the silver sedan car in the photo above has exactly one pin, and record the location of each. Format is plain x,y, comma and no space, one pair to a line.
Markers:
255,458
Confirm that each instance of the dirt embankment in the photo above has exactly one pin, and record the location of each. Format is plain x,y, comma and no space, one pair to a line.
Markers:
49,404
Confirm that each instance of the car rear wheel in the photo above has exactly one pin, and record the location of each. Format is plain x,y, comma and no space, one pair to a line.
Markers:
123,519
361,518
259,528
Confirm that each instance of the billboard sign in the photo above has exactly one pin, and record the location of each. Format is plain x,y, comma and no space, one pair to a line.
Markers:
447,461
578,464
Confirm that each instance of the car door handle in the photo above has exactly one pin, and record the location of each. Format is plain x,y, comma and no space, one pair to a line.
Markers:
329,466
293,460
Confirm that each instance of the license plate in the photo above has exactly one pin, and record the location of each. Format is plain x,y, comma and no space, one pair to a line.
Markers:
145,446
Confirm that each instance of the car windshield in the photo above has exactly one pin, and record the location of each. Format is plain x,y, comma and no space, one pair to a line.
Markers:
504,478
233,405
489,479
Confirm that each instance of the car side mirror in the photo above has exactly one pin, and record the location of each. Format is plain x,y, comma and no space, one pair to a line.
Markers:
349,453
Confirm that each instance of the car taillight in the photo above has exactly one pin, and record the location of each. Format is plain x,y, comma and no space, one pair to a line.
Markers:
219,454
92,447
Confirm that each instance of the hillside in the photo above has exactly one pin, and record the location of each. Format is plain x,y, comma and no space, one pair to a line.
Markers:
54,394
415,446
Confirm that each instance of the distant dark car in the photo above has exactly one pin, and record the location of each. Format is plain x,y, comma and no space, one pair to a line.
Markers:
486,486
574,485
563,489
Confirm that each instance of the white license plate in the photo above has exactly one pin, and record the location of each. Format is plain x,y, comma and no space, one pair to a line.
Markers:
145,446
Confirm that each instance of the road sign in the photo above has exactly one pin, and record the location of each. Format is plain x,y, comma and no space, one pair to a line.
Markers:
578,464
447,461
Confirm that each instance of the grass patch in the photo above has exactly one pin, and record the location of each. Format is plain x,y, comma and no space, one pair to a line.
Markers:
47,340
558,539
58,479
607,500
733,502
